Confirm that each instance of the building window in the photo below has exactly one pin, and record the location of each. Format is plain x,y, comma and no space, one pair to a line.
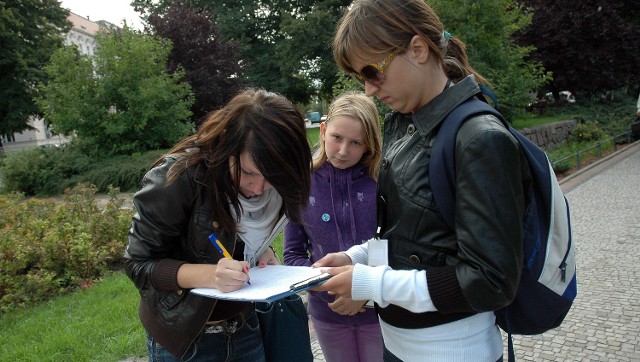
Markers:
8,138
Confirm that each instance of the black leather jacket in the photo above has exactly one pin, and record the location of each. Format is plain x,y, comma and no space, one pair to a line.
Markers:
171,228
477,266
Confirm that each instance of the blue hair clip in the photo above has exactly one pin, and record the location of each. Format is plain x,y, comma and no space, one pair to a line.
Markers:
446,35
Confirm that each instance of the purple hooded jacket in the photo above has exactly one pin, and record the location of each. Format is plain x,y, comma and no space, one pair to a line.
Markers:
341,213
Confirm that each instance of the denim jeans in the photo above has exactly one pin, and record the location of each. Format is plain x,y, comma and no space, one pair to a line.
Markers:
245,345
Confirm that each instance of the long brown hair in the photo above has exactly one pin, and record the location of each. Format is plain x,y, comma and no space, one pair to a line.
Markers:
376,28
272,130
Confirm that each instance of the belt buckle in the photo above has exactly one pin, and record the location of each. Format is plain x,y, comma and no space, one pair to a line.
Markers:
231,327
226,327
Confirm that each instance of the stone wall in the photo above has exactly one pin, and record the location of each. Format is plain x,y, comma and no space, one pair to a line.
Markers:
550,135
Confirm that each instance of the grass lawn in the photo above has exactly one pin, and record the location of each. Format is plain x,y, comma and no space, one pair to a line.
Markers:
96,324
313,135
534,121
99,323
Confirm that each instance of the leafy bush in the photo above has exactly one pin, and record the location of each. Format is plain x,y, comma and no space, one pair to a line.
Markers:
562,166
49,171
574,154
613,114
42,171
587,131
48,248
123,172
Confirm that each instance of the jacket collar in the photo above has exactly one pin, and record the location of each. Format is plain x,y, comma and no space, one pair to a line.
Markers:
356,171
431,114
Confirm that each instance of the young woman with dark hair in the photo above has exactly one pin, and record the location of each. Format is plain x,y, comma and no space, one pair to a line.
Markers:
248,164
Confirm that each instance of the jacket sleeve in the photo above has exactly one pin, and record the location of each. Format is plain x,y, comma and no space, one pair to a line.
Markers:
161,219
490,206
296,245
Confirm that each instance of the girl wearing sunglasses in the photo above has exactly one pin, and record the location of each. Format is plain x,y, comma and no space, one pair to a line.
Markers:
436,294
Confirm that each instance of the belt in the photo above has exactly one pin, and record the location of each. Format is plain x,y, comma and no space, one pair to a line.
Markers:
227,326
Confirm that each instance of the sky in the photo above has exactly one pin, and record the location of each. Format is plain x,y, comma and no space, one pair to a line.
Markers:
112,11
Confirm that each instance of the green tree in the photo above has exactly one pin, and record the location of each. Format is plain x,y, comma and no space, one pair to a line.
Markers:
487,28
308,44
590,45
286,44
211,65
30,31
122,100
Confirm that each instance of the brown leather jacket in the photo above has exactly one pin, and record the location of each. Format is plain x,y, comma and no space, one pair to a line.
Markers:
171,228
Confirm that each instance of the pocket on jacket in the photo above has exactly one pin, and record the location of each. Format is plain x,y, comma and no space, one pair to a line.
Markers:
172,299
410,255
201,228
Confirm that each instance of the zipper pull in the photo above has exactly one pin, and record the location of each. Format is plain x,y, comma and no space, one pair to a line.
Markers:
563,271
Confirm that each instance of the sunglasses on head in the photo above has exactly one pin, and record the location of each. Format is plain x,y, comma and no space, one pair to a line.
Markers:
374,73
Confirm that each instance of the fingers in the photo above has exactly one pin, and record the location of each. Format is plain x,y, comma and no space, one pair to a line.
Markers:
268,258
339,308
337,270
324,261
324,287
333,259
245,269
245,266
347,306
231,274
328,286
339,284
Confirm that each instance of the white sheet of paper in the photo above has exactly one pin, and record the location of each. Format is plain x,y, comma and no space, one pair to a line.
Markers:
267,284
378,252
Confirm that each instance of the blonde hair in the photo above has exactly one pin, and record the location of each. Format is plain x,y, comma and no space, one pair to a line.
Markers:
375,28
362,108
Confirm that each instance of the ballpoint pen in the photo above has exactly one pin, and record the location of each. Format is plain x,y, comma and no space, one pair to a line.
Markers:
222,250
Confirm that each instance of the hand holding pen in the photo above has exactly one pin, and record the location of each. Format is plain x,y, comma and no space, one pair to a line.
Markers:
222,250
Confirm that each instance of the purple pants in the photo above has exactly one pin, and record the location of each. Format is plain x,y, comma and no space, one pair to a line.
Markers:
349,343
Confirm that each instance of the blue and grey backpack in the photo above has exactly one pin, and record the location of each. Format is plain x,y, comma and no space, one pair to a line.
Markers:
548,283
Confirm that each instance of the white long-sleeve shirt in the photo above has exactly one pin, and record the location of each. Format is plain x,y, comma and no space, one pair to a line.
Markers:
475,338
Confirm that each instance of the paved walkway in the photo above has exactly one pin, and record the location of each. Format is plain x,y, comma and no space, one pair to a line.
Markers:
604,322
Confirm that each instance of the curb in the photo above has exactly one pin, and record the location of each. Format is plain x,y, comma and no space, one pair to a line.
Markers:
570,182
600,161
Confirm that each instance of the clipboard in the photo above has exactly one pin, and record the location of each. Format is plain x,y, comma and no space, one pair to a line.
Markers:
309,283
271,283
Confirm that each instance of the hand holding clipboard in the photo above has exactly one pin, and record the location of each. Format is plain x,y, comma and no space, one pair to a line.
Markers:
310,282
271,283
338,265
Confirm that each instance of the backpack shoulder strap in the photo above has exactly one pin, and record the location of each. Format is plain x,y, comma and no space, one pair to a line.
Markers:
442,172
